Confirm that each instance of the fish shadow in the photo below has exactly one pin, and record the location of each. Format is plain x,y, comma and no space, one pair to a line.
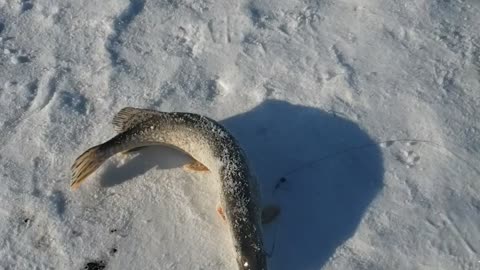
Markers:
140,161
309,163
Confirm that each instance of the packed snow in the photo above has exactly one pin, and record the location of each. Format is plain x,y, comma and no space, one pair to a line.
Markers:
360,119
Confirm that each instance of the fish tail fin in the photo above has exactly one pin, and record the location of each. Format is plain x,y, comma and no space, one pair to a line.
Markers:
86,164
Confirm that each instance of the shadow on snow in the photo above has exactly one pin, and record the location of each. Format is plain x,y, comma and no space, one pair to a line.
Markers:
322,204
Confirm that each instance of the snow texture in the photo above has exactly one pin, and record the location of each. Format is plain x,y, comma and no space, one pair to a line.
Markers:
360,119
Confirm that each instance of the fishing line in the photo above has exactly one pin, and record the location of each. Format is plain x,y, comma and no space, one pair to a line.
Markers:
316,162
283,179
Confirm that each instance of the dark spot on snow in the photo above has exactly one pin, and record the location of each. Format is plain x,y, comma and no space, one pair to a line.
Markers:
95,265
75,101
27,220
5,39
23,59
26,5
212,88
59,201
257,16
32,87
113,251
389,143
269,90
476,204
113,230
13,83
76,233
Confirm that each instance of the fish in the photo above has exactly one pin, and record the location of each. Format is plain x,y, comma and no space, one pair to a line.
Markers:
213,149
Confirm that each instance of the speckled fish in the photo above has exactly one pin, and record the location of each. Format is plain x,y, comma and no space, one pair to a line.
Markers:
212,148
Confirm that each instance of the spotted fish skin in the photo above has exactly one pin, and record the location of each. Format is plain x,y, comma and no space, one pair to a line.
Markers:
207,142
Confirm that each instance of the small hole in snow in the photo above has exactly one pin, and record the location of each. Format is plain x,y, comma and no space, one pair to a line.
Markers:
95,265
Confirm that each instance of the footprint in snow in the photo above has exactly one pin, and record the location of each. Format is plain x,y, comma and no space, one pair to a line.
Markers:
408,158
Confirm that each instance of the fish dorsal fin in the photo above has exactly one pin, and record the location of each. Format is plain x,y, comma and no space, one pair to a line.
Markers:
128,117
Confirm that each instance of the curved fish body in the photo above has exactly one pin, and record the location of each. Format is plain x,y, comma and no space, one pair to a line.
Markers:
208,143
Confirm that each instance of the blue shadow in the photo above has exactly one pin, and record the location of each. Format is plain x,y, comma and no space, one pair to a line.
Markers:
308,161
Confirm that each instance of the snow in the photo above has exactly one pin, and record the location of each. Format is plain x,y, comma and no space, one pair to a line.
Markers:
368,111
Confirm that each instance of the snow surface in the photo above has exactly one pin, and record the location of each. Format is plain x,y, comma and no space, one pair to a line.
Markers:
317,92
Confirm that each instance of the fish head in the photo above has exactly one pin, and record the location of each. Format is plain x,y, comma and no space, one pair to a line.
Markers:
252,259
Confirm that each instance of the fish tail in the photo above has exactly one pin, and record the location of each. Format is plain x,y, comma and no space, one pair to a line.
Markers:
86,164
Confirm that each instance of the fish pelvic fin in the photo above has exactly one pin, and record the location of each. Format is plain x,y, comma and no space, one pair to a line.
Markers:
85,165
195,166
129,117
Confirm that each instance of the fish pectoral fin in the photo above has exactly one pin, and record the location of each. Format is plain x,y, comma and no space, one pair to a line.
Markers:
129,117
270,213
221,213
195,166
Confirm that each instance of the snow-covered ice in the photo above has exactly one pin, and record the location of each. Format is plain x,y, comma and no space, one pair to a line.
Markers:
360,119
